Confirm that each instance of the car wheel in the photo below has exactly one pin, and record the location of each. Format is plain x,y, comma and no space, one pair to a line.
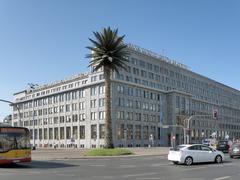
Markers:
175,162
188,161
218,159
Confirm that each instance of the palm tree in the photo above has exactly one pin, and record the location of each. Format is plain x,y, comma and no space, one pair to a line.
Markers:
108,52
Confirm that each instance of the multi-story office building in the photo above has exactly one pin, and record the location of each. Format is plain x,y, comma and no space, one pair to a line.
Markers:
153,93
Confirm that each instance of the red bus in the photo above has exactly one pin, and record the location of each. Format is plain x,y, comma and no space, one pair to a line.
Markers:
14,144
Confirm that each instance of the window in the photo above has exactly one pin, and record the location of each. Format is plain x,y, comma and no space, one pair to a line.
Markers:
205,148
93,91
67,107
129,131
120,114
55,120
74,95
56,133
196,147
101,77
94,131
137,132
101,131
61,119
120,89
68,119
120,131
101,89
74,118
101,115
50,133
82,117
61,108
68,132
55,109
93,115
74,106
82,93
93,78
68,96
82,132
93,103
75,132
101,102
81,105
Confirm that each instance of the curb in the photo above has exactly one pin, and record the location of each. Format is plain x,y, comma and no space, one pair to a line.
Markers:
96,157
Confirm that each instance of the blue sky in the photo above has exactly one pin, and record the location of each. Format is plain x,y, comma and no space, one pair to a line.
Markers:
43,41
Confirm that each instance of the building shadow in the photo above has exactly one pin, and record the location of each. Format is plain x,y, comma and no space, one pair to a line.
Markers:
37,165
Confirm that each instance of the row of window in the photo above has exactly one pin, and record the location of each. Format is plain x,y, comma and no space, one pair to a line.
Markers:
137,132
78,94
65,119
61,108
129,103
122,115
68,133
200,87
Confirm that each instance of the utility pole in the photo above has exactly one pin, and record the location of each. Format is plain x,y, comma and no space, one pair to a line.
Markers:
32,87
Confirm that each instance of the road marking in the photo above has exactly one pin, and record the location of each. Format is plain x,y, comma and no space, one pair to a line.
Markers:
143,174
148,178
97,165
190,169
160,164
127,166
66,175
220,178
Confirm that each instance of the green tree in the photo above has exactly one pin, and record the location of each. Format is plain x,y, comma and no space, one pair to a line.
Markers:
108,52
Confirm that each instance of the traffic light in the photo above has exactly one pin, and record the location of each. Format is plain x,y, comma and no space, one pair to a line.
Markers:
215,114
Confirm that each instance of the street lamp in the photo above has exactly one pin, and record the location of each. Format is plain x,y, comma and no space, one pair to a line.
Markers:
15,105
32,87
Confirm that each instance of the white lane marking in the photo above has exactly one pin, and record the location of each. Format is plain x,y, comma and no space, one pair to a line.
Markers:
97,165
220,178
143,174
104,177
148,178
160,164
196,168
127,166
66,175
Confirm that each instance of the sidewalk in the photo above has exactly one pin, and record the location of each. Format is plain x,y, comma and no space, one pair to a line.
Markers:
54,154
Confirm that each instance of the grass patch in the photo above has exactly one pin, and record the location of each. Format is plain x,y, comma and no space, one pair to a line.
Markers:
108,152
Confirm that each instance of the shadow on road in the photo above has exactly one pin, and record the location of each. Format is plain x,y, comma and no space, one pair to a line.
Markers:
37,165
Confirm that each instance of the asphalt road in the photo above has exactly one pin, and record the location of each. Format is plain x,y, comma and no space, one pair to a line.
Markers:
134,168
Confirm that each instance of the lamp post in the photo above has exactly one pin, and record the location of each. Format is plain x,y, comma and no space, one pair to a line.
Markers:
15,105
32,87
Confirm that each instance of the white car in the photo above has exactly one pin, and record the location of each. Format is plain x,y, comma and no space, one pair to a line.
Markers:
194,153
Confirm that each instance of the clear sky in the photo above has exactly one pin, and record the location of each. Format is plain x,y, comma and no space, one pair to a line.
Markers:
44,40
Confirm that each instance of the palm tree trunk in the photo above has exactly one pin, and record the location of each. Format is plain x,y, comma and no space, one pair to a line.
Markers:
108,120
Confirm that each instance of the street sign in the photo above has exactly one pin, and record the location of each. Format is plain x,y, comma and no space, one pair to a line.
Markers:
165,126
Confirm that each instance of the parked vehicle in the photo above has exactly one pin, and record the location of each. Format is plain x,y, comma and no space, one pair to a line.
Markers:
194,153
223,146
234,151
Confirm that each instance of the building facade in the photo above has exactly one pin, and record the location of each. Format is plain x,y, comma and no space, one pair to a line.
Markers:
154,93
